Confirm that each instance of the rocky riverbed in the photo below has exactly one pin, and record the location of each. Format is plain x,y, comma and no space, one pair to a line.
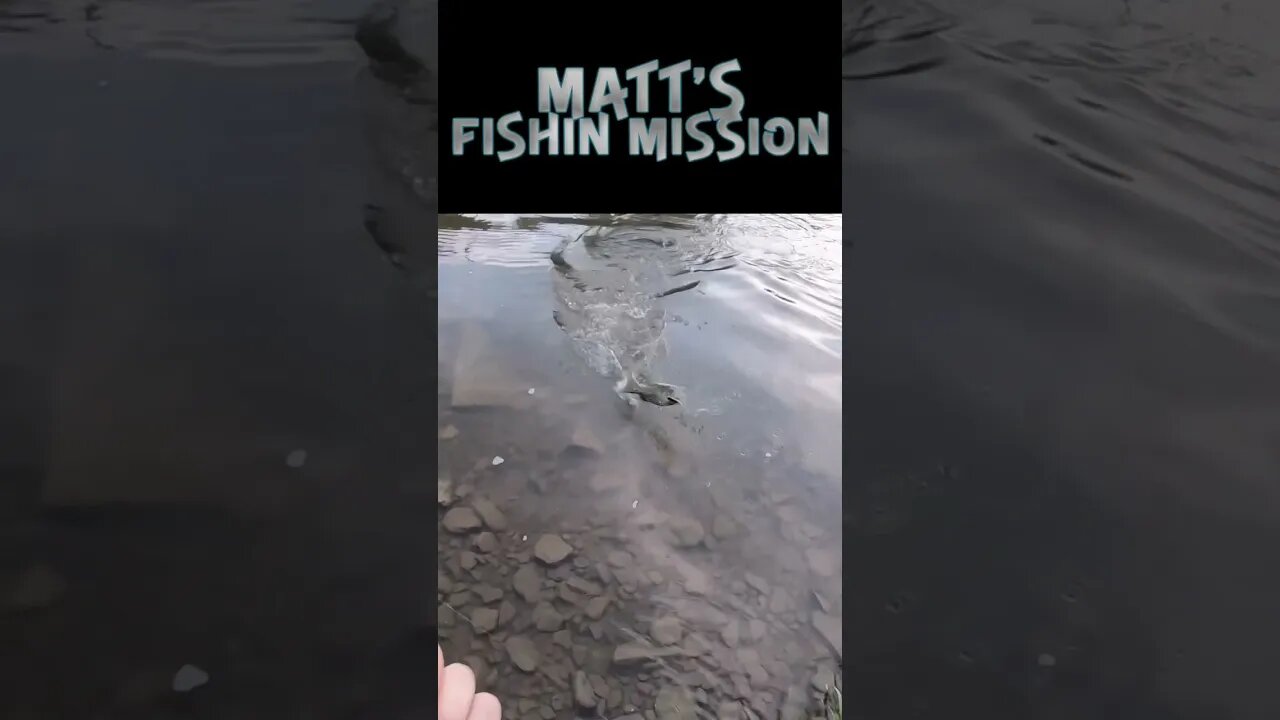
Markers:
616,599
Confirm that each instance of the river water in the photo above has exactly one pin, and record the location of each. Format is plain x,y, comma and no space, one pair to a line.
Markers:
1063,389
1059,464
703,537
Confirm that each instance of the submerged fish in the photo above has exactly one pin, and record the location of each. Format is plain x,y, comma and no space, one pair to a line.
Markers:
609,294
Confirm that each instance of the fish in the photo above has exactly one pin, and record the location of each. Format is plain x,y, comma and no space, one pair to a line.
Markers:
609,308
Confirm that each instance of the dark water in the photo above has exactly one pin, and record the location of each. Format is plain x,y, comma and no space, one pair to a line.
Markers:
1063,311
188,294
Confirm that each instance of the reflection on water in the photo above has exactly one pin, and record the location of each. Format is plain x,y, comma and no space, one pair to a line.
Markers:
627,555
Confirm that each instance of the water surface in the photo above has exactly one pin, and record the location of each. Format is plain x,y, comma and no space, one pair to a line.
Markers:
708,530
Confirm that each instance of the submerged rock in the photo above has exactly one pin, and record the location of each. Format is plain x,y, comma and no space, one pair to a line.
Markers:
636,652
546,618
486,542
596,607
528,583
675,703
484,620
688,532
523,653
723,527
584,696
188,678
490,514
666,630
461,520
552,549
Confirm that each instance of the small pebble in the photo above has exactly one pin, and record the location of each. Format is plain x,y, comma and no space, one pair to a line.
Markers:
530,391
296,459
497,460
188,678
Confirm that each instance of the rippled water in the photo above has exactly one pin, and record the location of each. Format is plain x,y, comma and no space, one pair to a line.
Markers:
718,517
1062,304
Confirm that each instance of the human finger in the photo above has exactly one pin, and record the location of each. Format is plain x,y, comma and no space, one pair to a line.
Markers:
485,707
458,689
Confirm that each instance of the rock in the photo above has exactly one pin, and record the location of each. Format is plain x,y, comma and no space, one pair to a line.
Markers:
461,520
829,628
188,678
448,432
39,586
487,593
757,582
296,459
757,629
600,685
445,617
666,630
675,703
460,598
506,611
467,560
619,558
585,587
635,652
486,542
723,528
688,532
729,633
490,514
822,562
552,549
823,678
528,583
729,710
443,583
484,620
546,619
563,638
584,696
523,653
569,596
444,492
596,607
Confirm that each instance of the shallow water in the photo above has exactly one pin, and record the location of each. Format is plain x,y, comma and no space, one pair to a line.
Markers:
718,517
